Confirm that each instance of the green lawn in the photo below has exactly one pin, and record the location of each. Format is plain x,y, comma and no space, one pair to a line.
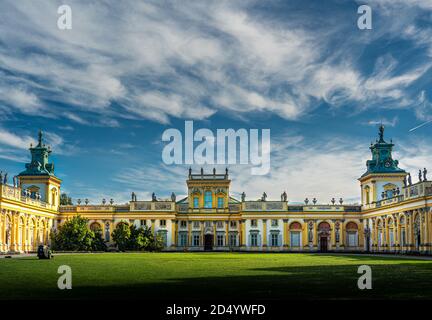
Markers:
215,275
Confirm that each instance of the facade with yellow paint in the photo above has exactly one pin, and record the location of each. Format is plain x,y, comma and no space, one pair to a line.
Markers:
394,215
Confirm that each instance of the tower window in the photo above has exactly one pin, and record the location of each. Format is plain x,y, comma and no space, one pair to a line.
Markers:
208,199
196,202
220,202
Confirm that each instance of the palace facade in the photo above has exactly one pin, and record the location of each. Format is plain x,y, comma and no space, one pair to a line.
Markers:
394,215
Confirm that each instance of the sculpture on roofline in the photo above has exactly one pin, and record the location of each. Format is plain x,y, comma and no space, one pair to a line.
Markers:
424,174
409,179
173,197
154,197
420,175
243,196
284,196
264,196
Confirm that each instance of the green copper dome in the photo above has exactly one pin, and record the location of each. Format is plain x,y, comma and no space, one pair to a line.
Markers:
382,161
39,164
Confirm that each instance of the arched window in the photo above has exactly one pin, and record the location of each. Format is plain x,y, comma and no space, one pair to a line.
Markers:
324,226
95,226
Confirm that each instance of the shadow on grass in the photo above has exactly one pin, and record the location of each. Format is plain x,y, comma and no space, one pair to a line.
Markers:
390,281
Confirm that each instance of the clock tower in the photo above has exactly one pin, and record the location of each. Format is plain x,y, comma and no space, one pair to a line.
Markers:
383,178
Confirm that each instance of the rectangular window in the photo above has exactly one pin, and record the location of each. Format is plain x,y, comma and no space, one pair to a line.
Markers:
274,223
183,239
254,240
196,240
391,238
274,239
143,222
183,224
295,239
196,202
220,202
208,224
162,223
220,240
208,199
254,223
196,224
219,225
233,224
352,239
233,240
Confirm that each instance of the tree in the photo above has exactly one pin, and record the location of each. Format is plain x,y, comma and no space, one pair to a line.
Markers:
74,235
65,200
98,241
132,238
121,236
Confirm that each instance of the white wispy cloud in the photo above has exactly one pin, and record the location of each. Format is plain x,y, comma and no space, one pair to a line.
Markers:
183,60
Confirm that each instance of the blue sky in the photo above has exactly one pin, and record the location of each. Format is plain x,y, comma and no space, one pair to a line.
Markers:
105,91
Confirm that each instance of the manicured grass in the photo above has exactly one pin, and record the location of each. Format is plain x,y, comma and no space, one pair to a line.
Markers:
215,275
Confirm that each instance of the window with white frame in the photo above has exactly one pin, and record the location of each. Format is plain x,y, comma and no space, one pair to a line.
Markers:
274,223
295,238
403,237
196,224
183,224
233,239
233,224
352,239
196,240
182,239
254,223
162,223
274,240
220,240
254,239
219,224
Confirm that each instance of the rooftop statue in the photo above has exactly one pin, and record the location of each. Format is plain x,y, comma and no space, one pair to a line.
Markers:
243,196
381,133
424,174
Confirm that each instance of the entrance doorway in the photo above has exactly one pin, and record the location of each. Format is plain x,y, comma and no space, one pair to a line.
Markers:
208,242
323,244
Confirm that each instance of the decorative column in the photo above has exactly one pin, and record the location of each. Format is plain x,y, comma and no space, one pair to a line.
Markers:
264,242
227,233
285,233
189,234
243,233
214,233
153,227
408,230
174,225
312,235
360,235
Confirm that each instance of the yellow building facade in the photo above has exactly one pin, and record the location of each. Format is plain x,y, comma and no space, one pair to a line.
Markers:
394,215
